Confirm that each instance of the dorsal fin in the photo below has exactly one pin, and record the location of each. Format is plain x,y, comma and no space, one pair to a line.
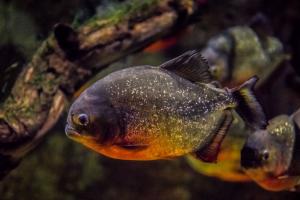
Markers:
191,66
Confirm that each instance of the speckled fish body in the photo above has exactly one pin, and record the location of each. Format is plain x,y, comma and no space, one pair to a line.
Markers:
166,112
147,113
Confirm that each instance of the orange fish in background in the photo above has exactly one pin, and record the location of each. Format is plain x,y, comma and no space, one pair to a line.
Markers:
167,42
161,44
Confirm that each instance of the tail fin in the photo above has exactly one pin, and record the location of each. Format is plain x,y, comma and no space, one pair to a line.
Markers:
248,107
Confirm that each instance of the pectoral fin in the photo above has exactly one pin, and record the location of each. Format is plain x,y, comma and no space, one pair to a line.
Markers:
133,147
191,66
211,151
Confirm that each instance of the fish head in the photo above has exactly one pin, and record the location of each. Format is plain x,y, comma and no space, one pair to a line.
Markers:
262,155
92,120
218,63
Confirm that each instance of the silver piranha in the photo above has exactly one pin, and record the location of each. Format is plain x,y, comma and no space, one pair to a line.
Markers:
148,113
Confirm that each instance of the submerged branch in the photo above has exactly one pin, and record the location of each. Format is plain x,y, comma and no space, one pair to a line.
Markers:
70,57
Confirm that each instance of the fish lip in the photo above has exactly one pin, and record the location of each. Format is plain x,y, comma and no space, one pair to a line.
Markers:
71,132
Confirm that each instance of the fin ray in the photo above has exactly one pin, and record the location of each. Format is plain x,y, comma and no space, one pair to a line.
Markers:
191,66
211,151
136,147
247,105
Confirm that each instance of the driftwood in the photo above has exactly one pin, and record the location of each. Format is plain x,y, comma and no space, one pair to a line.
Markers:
70,57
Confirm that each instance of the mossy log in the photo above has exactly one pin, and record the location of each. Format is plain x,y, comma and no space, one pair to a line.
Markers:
70,57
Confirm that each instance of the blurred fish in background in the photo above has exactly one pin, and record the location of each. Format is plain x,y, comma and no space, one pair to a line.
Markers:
240,52
236,53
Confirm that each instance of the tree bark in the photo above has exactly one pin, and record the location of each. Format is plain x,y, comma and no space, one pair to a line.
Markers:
70,57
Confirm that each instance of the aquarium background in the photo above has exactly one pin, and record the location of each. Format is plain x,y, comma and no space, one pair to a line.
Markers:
62,169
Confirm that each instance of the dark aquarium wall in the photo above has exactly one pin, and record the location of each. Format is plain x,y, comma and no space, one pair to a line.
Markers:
233,35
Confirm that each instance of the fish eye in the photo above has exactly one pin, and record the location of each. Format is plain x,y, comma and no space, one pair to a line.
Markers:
265,155
82,119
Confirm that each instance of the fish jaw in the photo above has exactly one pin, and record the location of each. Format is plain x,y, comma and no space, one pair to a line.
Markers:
74,135
88,141
279,184
117,152
118,149
108,149
71,132
258,175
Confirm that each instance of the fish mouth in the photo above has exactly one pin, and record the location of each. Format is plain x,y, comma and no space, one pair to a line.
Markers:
71,132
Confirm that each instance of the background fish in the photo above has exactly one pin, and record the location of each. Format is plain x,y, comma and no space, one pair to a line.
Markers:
238,53
147,113
271,156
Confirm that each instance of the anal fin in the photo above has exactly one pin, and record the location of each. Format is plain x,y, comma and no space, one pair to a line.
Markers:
211,151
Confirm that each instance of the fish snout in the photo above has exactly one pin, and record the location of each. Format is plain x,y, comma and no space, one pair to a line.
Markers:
250,158
70,131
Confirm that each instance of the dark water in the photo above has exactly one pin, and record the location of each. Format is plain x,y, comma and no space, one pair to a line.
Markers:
62,169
